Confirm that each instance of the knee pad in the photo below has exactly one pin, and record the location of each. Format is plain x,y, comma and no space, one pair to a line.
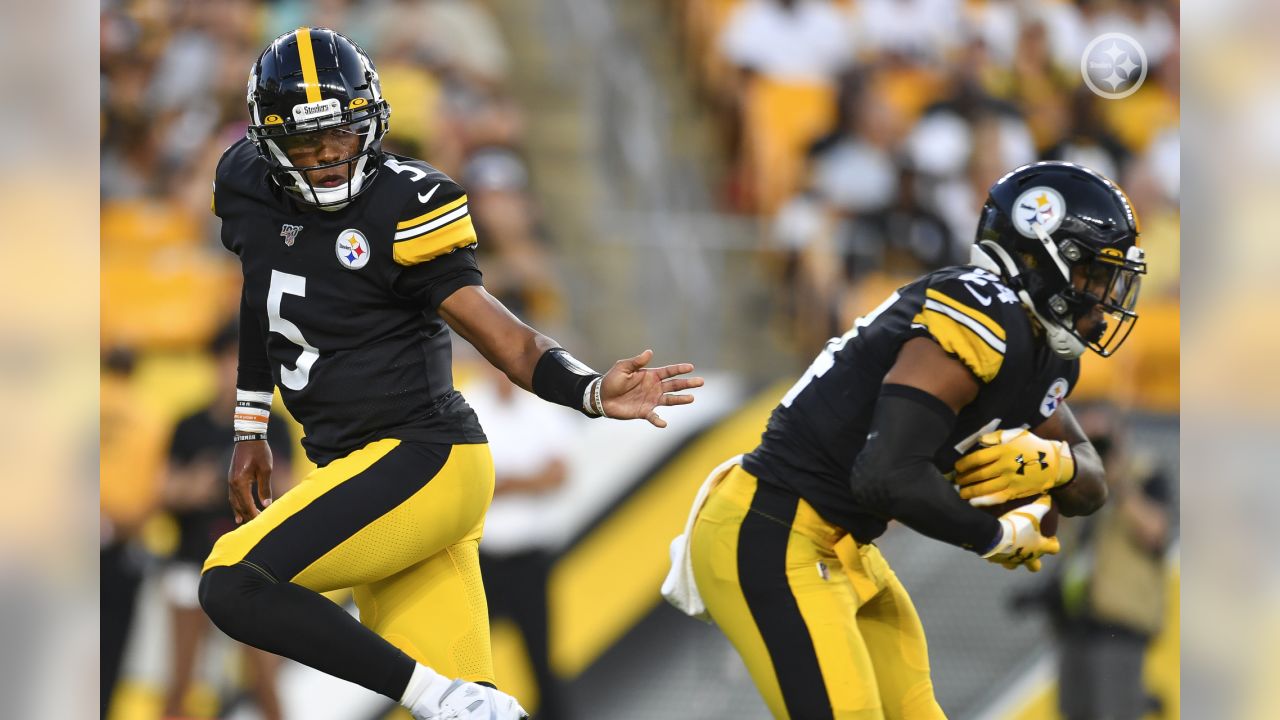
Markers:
225,592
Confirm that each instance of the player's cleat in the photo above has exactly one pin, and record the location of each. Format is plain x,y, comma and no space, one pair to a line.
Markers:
469,701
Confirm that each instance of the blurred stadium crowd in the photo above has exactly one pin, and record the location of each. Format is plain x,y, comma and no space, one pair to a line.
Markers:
867,132
861,134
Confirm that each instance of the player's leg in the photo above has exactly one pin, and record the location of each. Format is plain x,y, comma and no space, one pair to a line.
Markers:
356,520
435,612
189,626
889,625
264,674
778,593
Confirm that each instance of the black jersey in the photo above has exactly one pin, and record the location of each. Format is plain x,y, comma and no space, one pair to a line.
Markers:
345,301
816,432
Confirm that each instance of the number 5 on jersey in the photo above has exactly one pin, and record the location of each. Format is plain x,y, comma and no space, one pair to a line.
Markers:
283,283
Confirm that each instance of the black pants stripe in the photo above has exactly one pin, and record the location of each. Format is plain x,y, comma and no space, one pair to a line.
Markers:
762,570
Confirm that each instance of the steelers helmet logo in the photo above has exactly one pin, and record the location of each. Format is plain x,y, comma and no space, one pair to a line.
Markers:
352,249
1041,206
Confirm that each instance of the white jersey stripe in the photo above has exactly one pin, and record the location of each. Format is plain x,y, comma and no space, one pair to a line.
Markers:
434,224
978,328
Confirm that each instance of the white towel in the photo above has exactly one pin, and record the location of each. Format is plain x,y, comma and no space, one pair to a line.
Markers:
680,589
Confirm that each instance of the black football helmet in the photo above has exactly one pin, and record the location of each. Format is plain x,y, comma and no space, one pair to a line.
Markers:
1065,239
314,80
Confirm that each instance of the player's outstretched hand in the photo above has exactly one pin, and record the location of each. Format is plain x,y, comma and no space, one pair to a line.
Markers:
631,391
250,464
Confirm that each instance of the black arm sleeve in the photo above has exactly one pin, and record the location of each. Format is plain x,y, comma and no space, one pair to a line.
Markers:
894,475
254,371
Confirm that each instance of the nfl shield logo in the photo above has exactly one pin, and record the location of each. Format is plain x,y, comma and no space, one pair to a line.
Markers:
290,233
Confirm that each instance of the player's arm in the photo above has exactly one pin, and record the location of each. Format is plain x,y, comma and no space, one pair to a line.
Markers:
1086,492
915,413
894,474
251,458
537,363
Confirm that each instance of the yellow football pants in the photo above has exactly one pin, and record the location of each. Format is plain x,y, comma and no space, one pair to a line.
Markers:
824,625
401,524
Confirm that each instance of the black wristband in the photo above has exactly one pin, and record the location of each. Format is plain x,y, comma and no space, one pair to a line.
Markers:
560,378
241,437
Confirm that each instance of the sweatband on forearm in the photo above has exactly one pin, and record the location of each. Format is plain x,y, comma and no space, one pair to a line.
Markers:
253,411
560,378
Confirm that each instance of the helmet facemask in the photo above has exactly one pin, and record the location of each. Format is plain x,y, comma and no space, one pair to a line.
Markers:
306,132
1103,295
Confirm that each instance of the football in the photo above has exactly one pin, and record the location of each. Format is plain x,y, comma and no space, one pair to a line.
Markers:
1048,526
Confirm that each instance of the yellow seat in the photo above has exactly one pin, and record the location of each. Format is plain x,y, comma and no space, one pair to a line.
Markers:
168,300
147,224
781,120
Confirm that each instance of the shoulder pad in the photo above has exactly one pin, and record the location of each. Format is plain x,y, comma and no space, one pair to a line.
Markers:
435,217
240,170
966,312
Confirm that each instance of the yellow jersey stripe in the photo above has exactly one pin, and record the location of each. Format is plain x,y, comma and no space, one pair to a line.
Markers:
428,216
977,315
460,233
958,338
310,78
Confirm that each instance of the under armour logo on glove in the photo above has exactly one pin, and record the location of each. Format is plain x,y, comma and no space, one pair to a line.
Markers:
1022,464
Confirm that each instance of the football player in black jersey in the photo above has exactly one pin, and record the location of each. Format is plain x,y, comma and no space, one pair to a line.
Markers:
964,371
357,263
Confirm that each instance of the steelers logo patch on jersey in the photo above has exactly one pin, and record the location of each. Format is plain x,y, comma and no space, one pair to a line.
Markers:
352,249
1053,398
1041,206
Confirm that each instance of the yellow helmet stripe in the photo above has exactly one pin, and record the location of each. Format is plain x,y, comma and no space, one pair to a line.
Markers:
310,78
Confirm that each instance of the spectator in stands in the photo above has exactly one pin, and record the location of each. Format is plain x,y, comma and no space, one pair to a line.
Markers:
530,440
793,41
195,493
1087,140
518,267
789,55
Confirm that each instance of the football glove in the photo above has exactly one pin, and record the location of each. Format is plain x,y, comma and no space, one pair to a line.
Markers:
1020,540
1013,464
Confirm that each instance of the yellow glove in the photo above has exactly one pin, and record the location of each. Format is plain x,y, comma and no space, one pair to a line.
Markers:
1020,541
1013,464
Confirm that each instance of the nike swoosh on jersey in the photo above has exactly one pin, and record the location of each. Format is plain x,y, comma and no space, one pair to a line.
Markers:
423,198
981,298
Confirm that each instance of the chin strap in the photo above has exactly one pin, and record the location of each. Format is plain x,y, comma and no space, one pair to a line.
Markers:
992,258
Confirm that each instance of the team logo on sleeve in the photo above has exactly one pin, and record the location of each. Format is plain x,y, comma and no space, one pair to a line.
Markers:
1053,398
352,249
1041,206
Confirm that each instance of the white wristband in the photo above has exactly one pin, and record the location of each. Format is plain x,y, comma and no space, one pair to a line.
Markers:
591,403
253,411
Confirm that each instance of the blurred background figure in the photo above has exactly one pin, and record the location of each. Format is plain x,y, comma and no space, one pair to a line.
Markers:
530,441
195,495
130,443
1107,596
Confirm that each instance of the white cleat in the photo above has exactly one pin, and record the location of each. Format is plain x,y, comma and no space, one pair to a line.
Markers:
471,701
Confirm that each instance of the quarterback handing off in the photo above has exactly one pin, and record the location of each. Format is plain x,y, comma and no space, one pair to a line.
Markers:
357,263
965,369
